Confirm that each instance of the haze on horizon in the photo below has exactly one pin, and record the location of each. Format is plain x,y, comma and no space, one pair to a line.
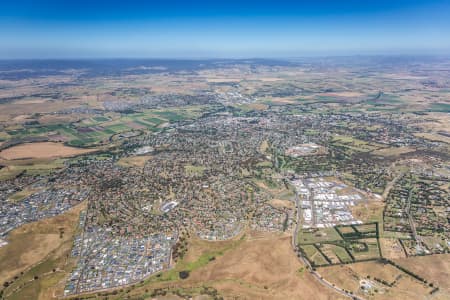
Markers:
178,29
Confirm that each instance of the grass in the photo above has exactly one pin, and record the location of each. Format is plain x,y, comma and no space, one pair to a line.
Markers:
8,173
372,252
154,121
309,250
37,249
111,124
30,166
100,119
319,260
341,253
194,170
4,136
20,195
393,151
355,144
201,261
118,128
170,116
440,107
134,161
337,248
263,146
322,235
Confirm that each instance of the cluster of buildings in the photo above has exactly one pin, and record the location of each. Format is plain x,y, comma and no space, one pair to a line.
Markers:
268,218
305,150
326,203
106,261
418,206
43,204
162,100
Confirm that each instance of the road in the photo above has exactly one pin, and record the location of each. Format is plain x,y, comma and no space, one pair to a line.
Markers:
411,221
306,262
390,185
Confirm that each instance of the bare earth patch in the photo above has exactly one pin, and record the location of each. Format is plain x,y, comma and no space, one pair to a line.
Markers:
278,203
41,150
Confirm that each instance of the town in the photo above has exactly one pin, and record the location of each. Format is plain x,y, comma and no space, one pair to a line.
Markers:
157,175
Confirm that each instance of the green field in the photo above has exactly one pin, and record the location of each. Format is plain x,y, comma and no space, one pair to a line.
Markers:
341,244
314,255
440,107
322,235
99,129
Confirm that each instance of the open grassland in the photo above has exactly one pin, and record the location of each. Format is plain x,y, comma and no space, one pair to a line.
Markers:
433,137
194,170
434,268
268,270
393,151
36,249
252,107
12,168
41,150
355,144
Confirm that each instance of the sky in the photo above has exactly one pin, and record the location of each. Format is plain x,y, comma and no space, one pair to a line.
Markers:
234,29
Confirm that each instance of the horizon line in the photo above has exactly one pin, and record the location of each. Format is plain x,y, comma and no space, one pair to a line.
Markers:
193,58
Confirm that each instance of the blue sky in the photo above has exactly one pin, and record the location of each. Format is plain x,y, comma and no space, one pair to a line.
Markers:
197,29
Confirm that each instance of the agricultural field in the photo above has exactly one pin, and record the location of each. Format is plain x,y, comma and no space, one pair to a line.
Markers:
41,150
340,245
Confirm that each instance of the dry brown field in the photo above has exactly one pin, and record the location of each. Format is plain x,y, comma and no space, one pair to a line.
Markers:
134,161
262,268
349,276
434,268
279,203
391,248
33,242
257,106
41,150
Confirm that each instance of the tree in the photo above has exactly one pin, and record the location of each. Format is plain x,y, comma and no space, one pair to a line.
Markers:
184,274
